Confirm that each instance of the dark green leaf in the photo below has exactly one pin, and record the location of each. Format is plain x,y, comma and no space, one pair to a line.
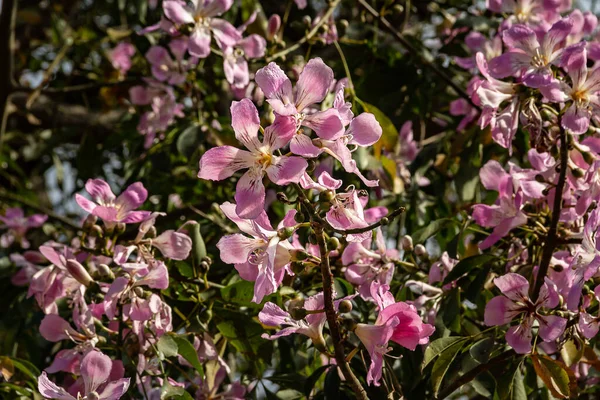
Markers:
438,346
510,386
188,140
442,364
188,352
466,265
332,385
421,235
167,346
451,310
311,381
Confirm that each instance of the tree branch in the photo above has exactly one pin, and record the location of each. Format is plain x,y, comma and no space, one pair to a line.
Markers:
552,237
52,113
8,19
411,49
334,328
51,214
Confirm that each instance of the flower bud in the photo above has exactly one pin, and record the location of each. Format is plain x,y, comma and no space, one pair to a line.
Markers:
345,306
273,26
407,243
285,233
96,231
105,271
333,243
92,396
307,20
299,217
540,178
578,172
89,222
139,292
327,195
349,324
588,157
282,197
384,221
421,251
298,313
78,272
299,255
120,228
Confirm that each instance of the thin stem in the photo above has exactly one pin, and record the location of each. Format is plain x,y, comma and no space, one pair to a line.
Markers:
334,328
309,35
51,214
552,236
345,63
411,49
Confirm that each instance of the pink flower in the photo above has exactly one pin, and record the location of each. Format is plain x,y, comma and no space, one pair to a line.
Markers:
166,69
202,15
582,93
365,265
527,57
112,209
347,212
477,42
312,87
515,303
263,257
398,322
120,57
235,64
17,224
506,214
95,371
311,326
441,268
221,162
588,324
173,245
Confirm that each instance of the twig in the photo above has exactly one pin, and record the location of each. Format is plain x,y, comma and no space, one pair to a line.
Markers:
411,49
7,46
51,214
551,238
309,35
472,374
334,328
80,87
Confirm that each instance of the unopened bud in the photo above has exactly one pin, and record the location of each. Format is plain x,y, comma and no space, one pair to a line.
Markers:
282,197
92,396
300,255
273,26
307,20
139,292
407,243
384,221
151,232
342,27
333,243
311,166
327,195
285,233
89,222
120,228
78,272
588,157
577,172
420,250
546,191
205,265
312,239
105,271
298,313
96,231
345,306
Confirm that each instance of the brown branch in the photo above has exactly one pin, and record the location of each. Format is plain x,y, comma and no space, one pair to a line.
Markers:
52,113
552,237
334,328
414,51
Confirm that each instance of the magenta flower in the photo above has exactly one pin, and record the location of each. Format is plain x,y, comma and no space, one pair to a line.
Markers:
506,213
515,303
582,93
112,209
95,371
311,326
263,257
235,64
202,15
365,265
221,162
347,212
312,87
527,57
166,69
17,224
120,57
477,42
398,322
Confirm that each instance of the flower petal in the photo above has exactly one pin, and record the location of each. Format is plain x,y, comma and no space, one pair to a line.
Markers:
221,162
313,84
250,195
95,369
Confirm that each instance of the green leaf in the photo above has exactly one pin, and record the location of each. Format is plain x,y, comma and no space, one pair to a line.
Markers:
332,385
442,364
343,287
421,235
289,381
168,391
553,374
510,386
450,309
466,265
167,346
240,292
438,346
482,349
572,351
188,140
389,136
188,352
312,380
